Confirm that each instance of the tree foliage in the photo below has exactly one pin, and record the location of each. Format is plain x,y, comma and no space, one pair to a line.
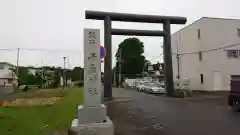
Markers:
57,73
47,76
77,74
25,77
132,61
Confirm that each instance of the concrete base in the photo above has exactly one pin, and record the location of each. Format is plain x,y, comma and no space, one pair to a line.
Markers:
104,128
91,114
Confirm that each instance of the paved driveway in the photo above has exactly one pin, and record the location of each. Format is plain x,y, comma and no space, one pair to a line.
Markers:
135,113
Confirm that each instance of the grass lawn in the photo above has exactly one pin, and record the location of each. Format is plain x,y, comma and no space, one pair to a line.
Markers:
42,119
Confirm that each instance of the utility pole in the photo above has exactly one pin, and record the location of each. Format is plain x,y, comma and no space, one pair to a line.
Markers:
178,72
64,73
120,68
42,75
17,70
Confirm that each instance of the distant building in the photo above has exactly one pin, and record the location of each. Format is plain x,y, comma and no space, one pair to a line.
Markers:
8,79
156,70
209,53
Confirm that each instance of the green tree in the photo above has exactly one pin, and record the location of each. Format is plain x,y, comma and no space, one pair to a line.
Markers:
130,52
23,75
77,74
45,76
57,76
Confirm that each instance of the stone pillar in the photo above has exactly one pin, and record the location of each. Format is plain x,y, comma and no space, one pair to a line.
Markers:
108,58
167,56
92,118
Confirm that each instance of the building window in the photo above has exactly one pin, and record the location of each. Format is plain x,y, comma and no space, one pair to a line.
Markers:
233,53
1,66
201,77
10,81
199,33
238,32
200,56
235,77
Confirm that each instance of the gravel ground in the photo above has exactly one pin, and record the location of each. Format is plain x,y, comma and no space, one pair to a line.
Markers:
135,113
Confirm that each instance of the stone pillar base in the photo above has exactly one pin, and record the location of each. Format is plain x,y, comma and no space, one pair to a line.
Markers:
103,128
91,114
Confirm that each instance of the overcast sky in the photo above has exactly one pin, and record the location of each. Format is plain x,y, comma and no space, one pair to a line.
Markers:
58,25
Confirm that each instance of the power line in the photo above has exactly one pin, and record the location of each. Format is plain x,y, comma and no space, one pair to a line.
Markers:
7,49
209,50
154,57
38,49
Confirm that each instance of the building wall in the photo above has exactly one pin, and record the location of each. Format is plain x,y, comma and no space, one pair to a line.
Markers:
4,82
215,33
6,75
187,41
219,33
7,67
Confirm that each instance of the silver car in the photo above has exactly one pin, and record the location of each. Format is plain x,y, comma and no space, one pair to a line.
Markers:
153,88
140,87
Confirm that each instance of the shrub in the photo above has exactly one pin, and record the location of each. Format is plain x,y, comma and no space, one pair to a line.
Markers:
188,93
80,84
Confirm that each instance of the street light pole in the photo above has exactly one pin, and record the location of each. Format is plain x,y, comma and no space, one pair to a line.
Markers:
17,69
64,73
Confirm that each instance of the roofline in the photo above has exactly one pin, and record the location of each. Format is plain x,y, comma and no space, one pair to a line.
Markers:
201,19
187,26
7,63
221,18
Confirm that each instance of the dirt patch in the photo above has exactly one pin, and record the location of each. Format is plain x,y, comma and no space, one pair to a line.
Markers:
44,93
31,101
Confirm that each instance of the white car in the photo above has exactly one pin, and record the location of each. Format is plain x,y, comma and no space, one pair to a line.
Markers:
140,87
160,84
153,88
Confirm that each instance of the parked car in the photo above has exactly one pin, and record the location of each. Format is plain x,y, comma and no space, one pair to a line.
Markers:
23,88
153,88
234,95
141,85
160,84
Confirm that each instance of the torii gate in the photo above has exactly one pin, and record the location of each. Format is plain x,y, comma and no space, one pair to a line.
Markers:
108,17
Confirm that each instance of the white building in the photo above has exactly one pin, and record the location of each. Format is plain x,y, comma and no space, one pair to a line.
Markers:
7,78
209,53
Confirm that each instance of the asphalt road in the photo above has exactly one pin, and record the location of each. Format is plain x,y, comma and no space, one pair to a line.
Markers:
135,113
3,95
